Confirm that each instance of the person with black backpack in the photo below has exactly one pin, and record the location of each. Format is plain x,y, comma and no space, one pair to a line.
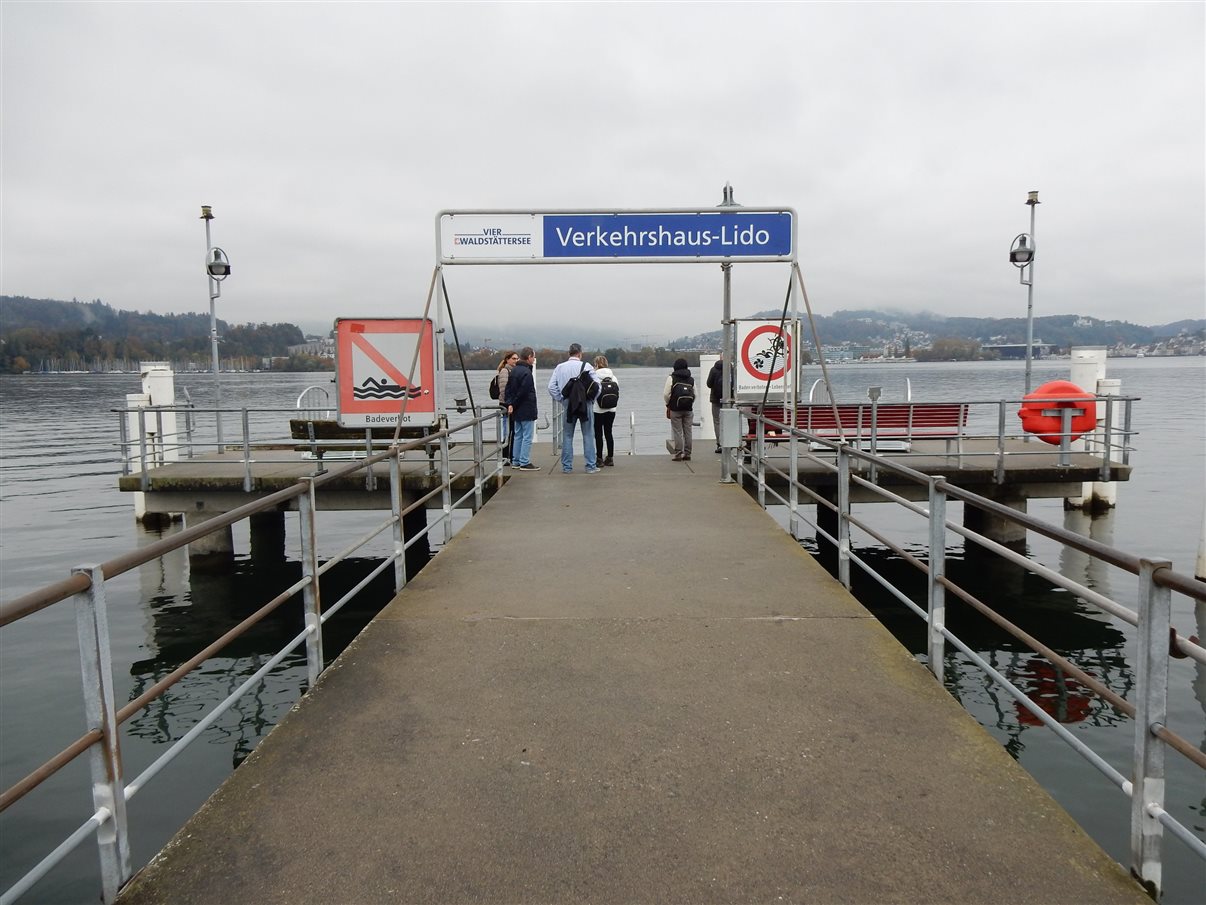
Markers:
574,387
605,409
679,396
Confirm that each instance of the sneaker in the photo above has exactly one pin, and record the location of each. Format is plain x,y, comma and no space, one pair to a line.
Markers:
567,471
529,467
687,457
677,457
608,461
593,470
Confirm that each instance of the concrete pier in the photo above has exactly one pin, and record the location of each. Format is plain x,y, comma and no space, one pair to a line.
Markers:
628,687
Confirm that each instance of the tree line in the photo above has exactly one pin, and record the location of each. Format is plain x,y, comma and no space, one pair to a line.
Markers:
45,334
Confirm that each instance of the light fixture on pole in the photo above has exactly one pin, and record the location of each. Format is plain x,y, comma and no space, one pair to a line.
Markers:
1021,255
217,268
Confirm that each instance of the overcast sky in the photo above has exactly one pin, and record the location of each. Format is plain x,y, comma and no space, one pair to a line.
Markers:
327,136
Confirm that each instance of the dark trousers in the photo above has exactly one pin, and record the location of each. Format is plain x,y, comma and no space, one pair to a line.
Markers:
603,423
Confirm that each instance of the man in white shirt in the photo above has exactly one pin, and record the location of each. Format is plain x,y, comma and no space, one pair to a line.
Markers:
569,370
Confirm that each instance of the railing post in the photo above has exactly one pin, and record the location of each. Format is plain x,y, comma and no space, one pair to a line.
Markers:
760,446
188,429
1151,712
161,452
1107,441
843,515
793,491
123,431
936,618
247,484
446,486
108,785
1065,437
1126,432
999,477
370,479
479,449
395,502
311,593
145,480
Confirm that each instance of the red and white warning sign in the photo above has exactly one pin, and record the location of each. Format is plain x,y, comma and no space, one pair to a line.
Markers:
764,355
372,371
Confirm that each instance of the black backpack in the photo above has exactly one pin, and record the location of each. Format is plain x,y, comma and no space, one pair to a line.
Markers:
682,396
609,394
494,387
578,394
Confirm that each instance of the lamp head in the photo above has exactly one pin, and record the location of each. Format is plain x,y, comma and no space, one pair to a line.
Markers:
218,265
1022,252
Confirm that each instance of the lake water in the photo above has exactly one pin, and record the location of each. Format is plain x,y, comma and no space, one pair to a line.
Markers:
59,507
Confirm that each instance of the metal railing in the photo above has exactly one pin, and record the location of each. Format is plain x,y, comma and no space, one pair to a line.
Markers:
1156,582
87,583
983,420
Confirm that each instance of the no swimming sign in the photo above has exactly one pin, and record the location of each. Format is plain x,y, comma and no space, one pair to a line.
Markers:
373,376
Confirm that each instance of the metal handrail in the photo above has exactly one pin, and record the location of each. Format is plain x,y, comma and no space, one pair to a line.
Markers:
87,585
1158,638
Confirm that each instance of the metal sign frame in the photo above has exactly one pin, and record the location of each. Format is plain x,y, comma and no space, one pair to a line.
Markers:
395,398
617,236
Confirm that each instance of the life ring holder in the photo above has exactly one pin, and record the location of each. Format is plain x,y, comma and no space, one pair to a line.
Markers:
1043,412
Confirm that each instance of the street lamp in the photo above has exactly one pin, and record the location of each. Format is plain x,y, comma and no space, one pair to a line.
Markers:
1021,256
727,344
217,268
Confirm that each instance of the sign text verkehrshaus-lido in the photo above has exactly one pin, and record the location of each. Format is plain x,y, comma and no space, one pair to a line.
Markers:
508,237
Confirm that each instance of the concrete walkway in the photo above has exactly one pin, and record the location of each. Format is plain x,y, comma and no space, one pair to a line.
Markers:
629,687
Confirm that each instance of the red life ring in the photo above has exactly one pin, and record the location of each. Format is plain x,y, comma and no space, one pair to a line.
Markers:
1044,418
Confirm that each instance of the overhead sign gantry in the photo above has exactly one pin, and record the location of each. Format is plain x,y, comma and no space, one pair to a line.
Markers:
693,235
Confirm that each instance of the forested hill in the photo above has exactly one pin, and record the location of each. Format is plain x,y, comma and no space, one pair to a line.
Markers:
94,336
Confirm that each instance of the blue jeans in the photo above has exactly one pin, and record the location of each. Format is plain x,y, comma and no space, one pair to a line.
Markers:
521,453
587,429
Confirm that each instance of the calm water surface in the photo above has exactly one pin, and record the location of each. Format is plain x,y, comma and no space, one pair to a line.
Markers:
59,507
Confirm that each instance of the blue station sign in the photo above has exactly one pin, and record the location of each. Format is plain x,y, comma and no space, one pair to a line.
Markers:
544,237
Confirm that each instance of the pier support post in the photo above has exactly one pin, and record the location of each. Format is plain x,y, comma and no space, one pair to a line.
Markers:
828,522
994,527
267,537
418,553
217,545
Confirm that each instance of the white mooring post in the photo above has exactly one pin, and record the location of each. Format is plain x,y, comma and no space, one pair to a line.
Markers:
154,431
1088,372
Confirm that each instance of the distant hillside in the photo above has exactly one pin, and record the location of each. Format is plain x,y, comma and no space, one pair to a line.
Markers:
868,327
40,333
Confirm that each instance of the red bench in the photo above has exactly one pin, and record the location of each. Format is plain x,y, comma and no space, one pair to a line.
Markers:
897,424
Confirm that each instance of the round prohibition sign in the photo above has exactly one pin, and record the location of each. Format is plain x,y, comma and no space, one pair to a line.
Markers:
760,364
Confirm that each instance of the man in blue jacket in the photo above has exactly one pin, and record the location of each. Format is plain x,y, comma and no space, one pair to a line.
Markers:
521,406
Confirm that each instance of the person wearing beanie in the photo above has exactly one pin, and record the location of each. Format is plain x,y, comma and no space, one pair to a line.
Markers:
679,396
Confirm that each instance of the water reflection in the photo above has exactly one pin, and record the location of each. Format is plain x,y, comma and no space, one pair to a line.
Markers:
182,623
1059,619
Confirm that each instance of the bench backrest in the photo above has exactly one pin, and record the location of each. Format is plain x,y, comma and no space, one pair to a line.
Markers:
903,418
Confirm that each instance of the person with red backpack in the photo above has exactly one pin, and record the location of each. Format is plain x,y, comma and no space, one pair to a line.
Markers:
679,396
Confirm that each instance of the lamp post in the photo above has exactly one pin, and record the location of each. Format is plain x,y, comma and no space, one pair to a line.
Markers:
1021,255
726,372
217,268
